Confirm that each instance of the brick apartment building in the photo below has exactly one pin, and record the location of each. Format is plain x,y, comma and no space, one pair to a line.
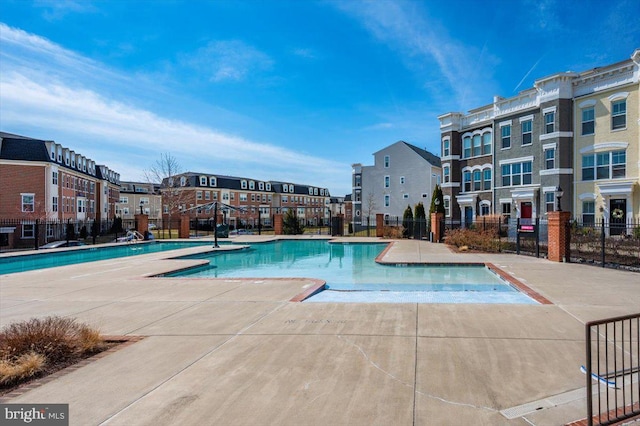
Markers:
134,195
45,181
251,202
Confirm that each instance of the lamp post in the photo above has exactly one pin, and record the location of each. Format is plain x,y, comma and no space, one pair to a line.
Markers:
559,194
215,225
141,204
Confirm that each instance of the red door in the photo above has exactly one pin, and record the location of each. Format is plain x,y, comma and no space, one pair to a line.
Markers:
526,211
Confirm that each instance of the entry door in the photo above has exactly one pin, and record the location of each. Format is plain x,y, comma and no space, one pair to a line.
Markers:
617,215
468,216
526,210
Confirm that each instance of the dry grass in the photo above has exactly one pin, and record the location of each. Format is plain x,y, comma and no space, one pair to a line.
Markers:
30,347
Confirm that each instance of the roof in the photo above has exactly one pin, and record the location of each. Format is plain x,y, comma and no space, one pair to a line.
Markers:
433,159
16,147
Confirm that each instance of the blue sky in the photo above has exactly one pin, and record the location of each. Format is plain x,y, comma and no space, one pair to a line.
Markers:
280,90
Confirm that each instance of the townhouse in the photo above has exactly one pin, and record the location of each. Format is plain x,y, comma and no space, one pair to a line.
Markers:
569,142
244,202
45,181
607,144
139,195
402,175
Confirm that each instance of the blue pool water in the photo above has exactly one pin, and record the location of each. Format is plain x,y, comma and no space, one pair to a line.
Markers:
48,259
352,274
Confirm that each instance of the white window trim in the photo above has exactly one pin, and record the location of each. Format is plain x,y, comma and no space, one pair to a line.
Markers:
587,104
526,118
505,123
606,146
549,109
618,96
549,146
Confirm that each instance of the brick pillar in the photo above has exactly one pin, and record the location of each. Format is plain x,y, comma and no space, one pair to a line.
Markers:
277,223
142,223
558,230
379,225
436,226
183,232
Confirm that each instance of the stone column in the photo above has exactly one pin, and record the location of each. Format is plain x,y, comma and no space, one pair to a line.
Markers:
277,223
183,232
436,226
558,230
379,225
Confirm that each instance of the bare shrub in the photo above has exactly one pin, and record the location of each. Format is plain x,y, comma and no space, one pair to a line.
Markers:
392,232
487,241
24,367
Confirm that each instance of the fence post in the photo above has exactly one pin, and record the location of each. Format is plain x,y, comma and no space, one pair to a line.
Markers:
36,234
537,237
518,236
559,250
602,242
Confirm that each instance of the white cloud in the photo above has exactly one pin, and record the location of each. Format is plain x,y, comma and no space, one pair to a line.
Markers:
60,105
228,60
305,53
405,28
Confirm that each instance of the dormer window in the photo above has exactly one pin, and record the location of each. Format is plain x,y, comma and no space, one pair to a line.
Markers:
243,184
291,189
183,181
212,181
310,191
315,191
252,185
268,186
261,186
285,188
203,181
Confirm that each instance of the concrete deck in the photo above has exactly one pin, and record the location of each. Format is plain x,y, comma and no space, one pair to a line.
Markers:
238,352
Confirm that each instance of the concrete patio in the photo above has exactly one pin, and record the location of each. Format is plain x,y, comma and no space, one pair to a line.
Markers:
238,352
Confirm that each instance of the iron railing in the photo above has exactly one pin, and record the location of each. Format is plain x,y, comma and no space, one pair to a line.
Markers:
612,369
606,244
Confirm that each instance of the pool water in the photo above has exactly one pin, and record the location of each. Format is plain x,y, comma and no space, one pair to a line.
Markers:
352,274
48,259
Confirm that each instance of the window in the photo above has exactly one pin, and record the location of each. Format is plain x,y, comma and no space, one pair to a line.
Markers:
215,196
516,174
386,200
243,184
401,180
198,195
505,132
425,195
291,189
252,185
446,174
243,197
588,172
183,181
447,205
386,161
28,203
619,114
466,144
549,122
588,121
203,181
526,132
386,181
486,179
225,196
484,210
506,209
446,148
54,178
285,199
54,204
233,196
466,179
588,212
477,181
486,143
253,197
550,158
477,145
548,201
261,186
602,165
28,230
268,186
124,200
212,181
405,196
81,206
618,164
357,183
207,195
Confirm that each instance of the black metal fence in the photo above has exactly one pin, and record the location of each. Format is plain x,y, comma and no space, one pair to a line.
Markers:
606,244
612,369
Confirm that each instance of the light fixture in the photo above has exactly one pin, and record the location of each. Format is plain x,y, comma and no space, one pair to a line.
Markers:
559,194
141,204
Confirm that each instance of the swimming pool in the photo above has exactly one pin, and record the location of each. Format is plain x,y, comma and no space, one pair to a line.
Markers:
352,274
48,259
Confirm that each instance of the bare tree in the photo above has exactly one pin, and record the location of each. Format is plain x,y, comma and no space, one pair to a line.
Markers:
165,171
370,205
